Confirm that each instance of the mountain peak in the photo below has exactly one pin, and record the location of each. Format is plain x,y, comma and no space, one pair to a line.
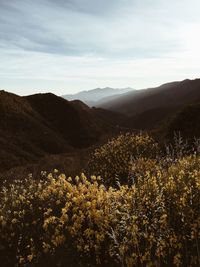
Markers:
92,97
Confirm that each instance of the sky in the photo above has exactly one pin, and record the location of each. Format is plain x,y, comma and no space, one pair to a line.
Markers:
66,46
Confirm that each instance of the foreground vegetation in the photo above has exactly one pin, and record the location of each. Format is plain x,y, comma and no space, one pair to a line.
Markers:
143,210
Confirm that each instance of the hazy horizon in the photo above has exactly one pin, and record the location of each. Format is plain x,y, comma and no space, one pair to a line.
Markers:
69,46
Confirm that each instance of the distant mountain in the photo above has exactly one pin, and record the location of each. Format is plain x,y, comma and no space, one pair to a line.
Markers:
38,125
147,108
97,96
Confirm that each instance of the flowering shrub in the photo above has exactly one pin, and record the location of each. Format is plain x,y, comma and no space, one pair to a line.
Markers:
152,223
114,160
64,221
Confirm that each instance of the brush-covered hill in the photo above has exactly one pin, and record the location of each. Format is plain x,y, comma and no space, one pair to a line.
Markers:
25,135
186,122
34,126
147,108
172,94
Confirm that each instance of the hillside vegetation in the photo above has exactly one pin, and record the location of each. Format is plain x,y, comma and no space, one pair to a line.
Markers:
35,126
173,94
148,108
150,218
186,121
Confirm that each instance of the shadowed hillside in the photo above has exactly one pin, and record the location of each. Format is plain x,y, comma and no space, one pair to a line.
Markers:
25,135
148,108
70,121
34,126
149,119
187,122
39,125
168,95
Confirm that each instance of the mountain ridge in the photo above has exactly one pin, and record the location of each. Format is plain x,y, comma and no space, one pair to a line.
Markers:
171,96
34,126
93,96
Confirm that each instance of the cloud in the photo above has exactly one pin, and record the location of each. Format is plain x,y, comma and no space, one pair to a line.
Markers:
80,43
81,27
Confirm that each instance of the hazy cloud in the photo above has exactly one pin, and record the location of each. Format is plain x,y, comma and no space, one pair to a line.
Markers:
75,44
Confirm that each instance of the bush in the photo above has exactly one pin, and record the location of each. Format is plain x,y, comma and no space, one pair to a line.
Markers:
153,221
115,159
79,222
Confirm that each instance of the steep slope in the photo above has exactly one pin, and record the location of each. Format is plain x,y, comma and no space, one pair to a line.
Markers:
38,125
62,116
147,108
24,134
78,124
186,121
168,95
96,96
149,118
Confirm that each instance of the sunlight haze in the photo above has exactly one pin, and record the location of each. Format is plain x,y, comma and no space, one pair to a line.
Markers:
69,46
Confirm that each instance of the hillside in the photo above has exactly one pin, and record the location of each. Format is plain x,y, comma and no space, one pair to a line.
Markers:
147,108
35,126
25,135
97,96
168,95
39,125
149,119
186,122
